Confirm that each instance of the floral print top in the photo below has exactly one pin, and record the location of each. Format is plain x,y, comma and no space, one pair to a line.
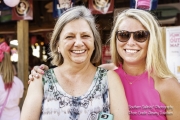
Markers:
58,105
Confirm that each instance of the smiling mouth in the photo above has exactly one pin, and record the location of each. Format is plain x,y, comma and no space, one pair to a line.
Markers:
78,51
131,51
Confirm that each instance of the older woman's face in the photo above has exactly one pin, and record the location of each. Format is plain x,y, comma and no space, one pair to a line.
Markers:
132,51
76,42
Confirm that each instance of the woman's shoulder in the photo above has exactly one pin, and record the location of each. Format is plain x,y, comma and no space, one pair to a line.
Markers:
170,94
18,80
18,84
169,84
167,87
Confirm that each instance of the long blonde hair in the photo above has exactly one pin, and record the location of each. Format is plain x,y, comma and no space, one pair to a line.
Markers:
6,70
155,60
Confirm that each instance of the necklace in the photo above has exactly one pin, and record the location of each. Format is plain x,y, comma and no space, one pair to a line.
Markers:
133,78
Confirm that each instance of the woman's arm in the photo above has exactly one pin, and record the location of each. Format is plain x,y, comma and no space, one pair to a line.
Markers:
118,102
32,105
169,90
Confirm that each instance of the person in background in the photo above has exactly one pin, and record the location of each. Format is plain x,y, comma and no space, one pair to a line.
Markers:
11,87
152,91
76,89
2,39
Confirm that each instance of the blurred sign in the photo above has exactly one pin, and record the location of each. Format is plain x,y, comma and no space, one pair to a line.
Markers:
59,6
165,13
23,11
173,50
144,4
101,6
5,12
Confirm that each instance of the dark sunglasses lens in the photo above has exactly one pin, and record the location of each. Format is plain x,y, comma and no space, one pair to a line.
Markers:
123,36
141,36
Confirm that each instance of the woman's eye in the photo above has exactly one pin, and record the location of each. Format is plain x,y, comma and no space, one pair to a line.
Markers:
68,37
85,36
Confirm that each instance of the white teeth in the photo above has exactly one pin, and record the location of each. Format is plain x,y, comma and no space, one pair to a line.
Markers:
78,51
131,51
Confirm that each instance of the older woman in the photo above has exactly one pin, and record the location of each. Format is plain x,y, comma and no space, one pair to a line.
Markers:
75,89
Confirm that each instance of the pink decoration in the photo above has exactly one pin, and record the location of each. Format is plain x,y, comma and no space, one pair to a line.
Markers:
143,4
3,48
11,3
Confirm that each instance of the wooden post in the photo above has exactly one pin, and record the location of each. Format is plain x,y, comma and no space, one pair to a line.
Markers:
23,54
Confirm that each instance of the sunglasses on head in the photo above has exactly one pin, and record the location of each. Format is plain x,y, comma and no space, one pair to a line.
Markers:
139,36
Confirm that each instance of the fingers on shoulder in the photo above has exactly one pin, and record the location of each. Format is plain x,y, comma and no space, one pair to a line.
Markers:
43,67
36,81
39,78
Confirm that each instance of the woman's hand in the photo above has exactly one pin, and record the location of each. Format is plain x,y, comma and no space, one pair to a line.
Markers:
36,71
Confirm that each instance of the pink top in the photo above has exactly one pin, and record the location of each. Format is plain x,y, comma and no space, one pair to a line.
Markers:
11,110
143,99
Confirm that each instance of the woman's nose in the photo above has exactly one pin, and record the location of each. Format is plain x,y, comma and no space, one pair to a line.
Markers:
131,40
78,41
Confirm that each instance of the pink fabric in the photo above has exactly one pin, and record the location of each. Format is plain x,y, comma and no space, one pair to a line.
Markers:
3,48
144,101
143,4
11,110
4,104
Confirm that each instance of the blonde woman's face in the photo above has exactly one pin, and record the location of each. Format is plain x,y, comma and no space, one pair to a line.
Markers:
76,42
132,52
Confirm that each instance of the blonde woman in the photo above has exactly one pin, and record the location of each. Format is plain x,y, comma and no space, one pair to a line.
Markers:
151,89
